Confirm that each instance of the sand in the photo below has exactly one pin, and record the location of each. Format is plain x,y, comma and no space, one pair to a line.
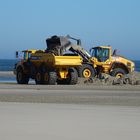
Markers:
95,92
76,94
6,74
85,111
20,121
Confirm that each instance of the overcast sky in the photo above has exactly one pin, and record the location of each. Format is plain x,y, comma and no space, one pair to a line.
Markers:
25,24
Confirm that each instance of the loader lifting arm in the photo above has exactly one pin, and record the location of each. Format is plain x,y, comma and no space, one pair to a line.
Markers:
60,44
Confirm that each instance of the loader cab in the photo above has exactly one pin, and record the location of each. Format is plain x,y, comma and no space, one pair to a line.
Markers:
101,53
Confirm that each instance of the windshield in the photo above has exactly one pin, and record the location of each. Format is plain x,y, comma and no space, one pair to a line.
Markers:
102,54
23,55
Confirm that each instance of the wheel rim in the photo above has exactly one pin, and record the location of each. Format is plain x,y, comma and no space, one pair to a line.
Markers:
86,73
119,75
38,77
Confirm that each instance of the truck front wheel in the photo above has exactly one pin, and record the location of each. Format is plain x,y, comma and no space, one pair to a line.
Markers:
21,77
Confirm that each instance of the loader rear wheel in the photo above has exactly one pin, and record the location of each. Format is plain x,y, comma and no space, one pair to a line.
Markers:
86,71
50,78
118,73
38,78
21,77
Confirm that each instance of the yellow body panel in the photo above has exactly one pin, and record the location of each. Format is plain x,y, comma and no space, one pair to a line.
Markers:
68,61
126,62
56,61
63,73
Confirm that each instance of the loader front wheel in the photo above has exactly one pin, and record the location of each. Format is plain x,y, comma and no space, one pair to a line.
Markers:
21,77
118,73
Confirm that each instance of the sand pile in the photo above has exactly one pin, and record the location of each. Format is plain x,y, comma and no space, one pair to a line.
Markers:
105,79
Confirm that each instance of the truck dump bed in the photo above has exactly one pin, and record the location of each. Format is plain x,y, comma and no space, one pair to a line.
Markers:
56,61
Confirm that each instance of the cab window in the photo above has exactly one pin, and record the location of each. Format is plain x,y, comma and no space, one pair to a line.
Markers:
102,54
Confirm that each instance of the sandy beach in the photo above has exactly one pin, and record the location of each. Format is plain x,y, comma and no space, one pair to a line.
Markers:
76,112
78,94
68,122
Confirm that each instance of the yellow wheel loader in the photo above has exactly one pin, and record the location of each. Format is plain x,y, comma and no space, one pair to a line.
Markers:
104,61
101,60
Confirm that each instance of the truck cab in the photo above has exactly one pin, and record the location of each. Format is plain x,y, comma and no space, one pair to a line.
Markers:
25,54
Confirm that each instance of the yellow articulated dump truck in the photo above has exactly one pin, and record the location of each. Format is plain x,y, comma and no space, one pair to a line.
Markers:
47,68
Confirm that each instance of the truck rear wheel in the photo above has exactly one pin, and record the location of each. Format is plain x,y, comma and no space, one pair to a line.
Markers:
118,72
38,78
72,77
50,78
21,77
86,71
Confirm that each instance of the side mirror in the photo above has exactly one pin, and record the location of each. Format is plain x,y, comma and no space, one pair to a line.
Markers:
17,54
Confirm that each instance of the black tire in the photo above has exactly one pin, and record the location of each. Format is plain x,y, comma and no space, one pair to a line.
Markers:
21,77
86,71
118,72
39,78
50,78
72,77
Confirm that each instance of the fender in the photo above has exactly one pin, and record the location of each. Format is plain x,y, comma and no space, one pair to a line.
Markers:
119,65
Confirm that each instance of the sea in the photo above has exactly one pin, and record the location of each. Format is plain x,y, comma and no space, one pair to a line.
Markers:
8,64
